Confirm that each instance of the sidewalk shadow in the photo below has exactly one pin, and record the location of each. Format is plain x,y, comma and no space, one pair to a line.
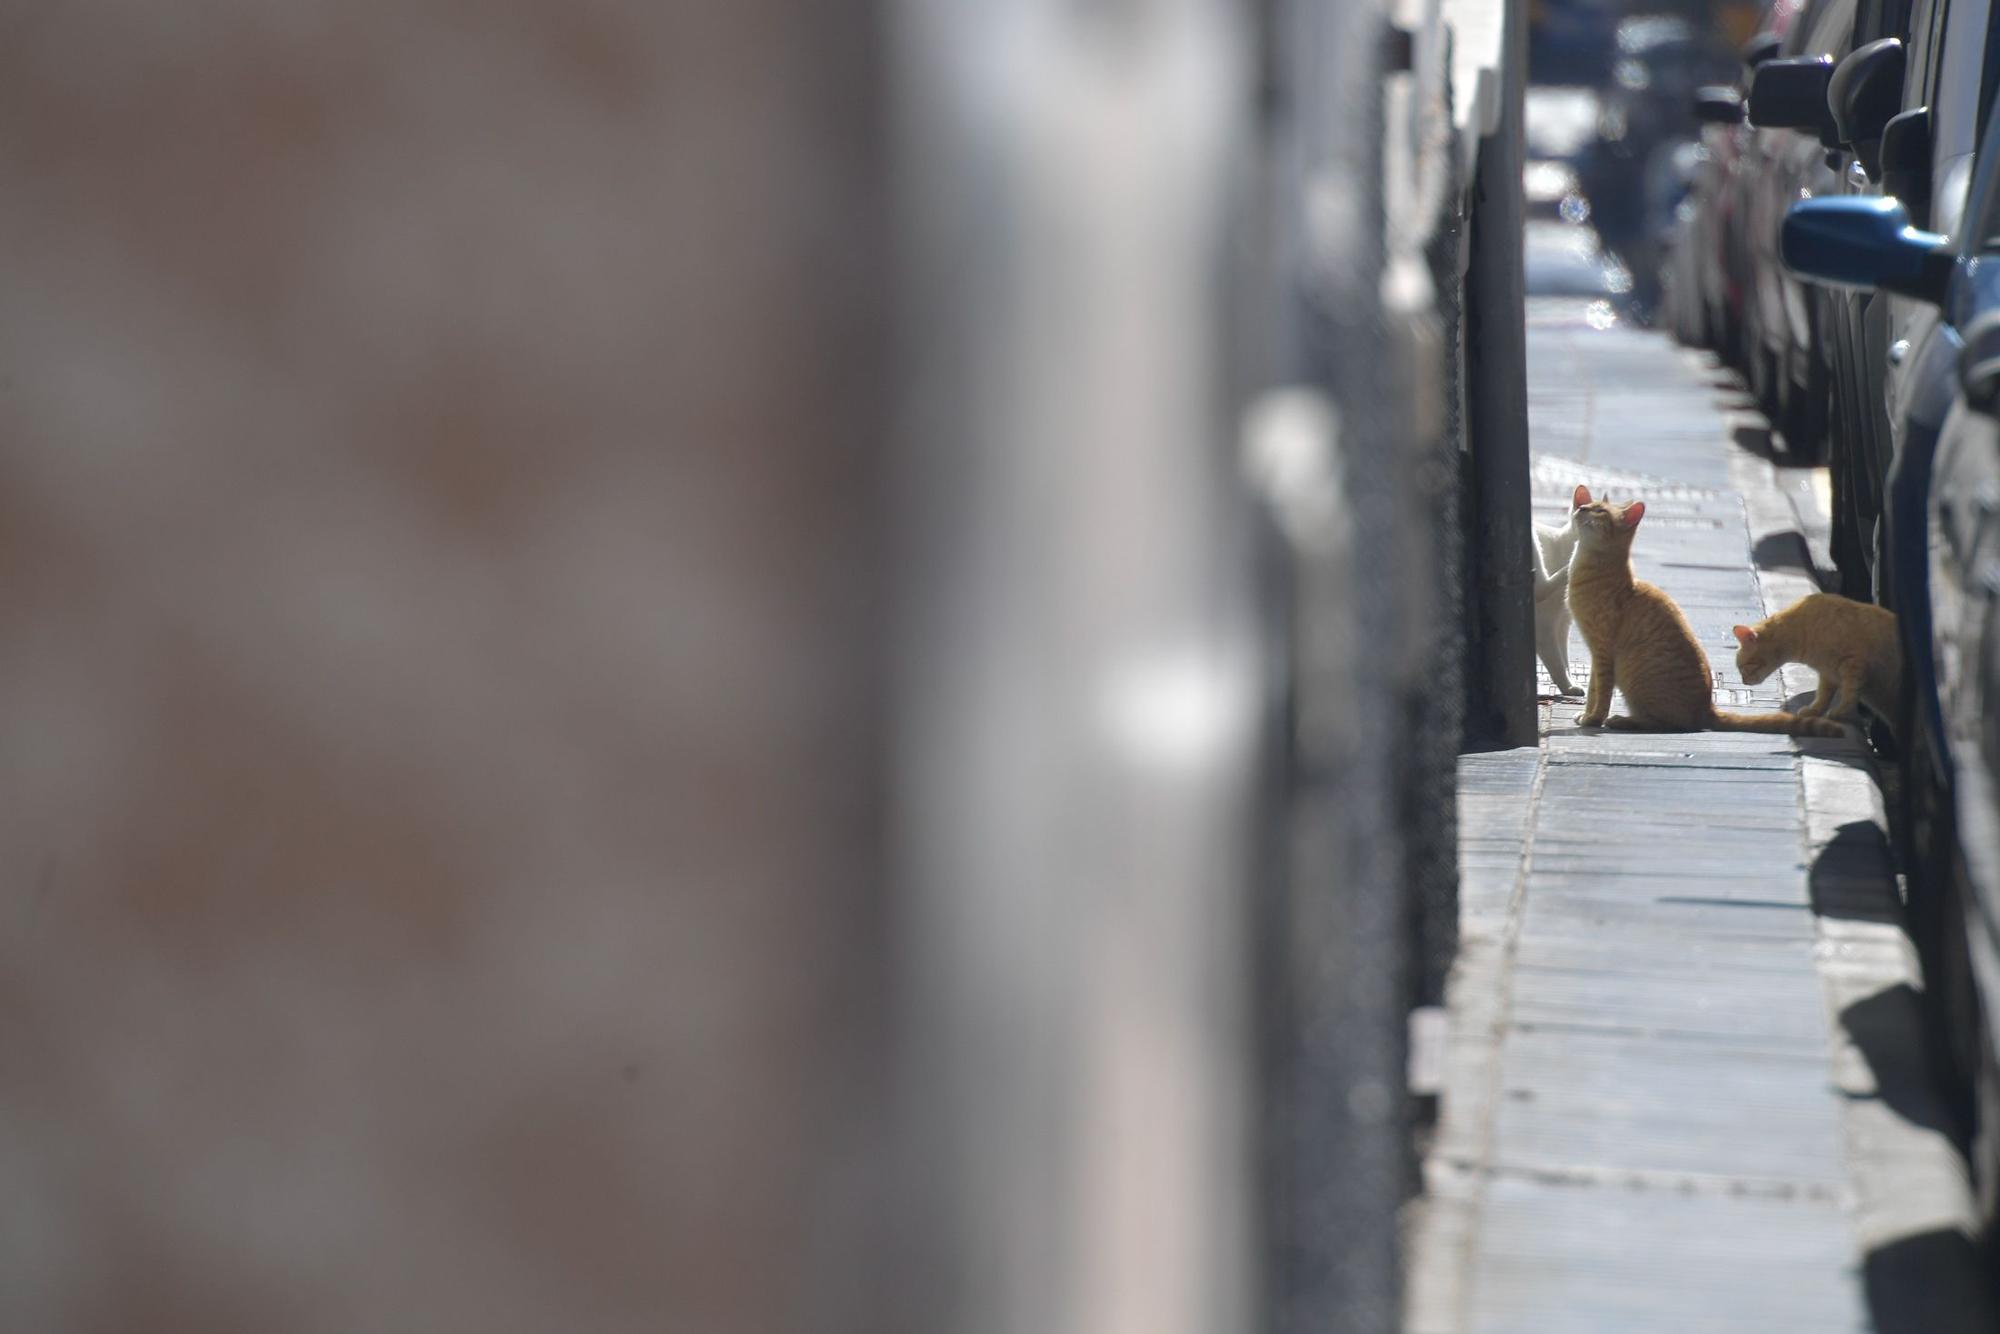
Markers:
1754,435
1850,750
1887,1029
1788,551
1854,877
1930,1283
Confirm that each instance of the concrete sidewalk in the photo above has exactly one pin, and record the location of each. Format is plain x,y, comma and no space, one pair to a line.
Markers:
1684,1086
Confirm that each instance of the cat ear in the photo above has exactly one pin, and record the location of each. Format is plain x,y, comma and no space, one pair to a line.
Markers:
1632,513
1744,634
1580,498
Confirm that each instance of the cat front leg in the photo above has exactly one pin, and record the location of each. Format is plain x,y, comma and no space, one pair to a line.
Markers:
1597,701
1549,647
1822,697
1562,652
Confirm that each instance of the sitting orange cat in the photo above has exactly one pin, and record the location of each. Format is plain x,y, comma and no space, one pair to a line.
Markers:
1641,644
1850,644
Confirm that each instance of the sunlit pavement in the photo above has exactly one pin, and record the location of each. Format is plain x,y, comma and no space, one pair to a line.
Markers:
1684,1086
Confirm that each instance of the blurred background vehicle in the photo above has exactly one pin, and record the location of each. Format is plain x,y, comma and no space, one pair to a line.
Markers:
1567,260
1561,124
1694,291
1635,171
1864,95
1785,357
1708,250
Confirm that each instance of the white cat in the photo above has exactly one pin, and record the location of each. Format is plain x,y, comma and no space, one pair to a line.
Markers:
1553,548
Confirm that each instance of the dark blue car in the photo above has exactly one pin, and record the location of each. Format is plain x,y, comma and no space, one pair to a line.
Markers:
1942,548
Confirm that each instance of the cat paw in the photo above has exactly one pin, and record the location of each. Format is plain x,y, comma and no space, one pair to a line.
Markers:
1807,711
1588,721
1572,690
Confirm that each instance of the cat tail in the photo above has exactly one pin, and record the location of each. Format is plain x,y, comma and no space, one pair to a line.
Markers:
1788,723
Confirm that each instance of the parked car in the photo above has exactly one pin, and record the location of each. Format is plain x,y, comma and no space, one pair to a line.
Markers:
1567,260
1942,549
1694,295
1787,159
1570,41
1709,286
1560,125
1908,60
1634,173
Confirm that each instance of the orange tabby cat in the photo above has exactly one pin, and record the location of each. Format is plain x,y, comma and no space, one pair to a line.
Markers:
1641,644
1850,644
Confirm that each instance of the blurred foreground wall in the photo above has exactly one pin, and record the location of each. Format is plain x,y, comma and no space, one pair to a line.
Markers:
439,459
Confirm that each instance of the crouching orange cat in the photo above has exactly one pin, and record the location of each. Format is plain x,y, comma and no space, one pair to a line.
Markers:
1641,644
1850,644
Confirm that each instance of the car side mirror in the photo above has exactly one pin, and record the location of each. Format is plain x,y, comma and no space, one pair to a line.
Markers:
1979,364
1865,92
1718,105
1865,242
1764,46
1906,162
1790,94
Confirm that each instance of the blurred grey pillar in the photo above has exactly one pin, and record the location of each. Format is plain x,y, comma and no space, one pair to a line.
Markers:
1500,675
1080,693
1341,1169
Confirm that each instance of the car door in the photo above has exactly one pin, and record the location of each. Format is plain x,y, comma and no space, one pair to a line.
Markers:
1917,348
1961,694
1858,434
